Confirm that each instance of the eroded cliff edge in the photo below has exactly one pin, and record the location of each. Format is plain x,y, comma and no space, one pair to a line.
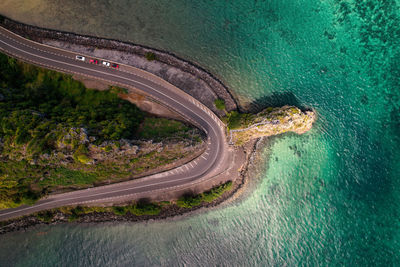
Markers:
246,133
271,121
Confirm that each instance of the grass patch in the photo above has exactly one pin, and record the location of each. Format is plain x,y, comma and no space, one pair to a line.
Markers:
118,90
45,216
66,177
219,104
140,209
190,201
159,128
150,56
119,210
216,192
236,120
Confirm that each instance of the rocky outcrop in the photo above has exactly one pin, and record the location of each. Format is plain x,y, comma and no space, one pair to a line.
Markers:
272,121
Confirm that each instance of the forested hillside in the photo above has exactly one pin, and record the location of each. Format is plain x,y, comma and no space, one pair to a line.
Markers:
56,133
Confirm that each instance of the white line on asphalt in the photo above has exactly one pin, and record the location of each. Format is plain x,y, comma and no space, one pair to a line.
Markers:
92,70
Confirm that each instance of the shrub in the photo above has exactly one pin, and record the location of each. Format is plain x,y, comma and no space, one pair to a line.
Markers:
219,104
239,120
150,56
190,201
118,210
45,216
76,213
233,120
216,192
118,90
140,209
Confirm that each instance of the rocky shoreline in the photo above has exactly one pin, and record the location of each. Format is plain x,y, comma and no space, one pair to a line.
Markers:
189,77
45,35
202,85
29,221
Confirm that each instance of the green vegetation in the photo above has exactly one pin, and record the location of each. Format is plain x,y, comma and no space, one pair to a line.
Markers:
119,210
55,134
189,201
236,120
38,104
160,128
45,216
139,208
219,104
268,122
118,90
136,208
150,56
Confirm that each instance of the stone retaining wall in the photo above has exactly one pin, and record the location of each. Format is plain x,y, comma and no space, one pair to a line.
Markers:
185,75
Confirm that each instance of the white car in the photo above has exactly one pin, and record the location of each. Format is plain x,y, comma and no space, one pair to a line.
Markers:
107,64
81,58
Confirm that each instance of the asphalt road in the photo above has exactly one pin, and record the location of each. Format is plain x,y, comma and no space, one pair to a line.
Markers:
215,160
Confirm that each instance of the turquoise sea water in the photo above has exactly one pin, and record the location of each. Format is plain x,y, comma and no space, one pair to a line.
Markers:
330,197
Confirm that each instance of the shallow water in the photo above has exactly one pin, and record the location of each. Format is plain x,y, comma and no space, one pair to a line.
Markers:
329,197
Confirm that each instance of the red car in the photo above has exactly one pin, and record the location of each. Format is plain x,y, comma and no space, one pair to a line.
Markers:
94,61
115,66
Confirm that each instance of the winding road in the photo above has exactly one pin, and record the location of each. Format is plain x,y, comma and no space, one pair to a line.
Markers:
215,160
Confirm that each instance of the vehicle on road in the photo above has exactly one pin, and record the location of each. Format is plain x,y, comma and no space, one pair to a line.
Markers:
115,66
94,61
215,160
81,58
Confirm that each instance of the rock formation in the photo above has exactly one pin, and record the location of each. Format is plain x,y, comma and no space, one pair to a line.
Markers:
271,121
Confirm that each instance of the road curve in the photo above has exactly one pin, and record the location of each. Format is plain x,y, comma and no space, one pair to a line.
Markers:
213,161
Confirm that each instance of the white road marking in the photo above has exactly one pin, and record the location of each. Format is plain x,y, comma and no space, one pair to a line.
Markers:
129,86
203,157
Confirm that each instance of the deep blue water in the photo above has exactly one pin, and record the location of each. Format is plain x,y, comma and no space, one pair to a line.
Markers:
329,197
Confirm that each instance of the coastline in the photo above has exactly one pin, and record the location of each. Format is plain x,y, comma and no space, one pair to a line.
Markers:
202,85
27,222
243,156
171,61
